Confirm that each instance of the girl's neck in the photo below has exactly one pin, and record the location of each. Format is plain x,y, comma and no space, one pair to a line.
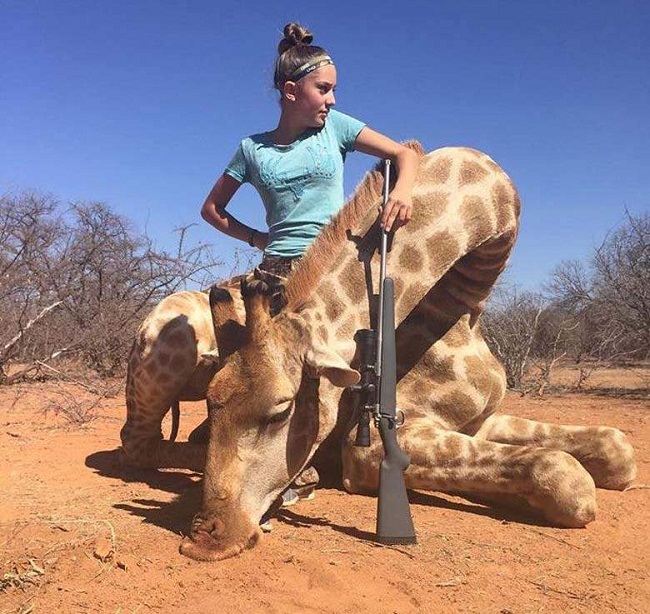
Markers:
288,130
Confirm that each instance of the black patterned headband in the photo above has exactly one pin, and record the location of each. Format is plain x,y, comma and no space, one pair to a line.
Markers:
310,66
305,69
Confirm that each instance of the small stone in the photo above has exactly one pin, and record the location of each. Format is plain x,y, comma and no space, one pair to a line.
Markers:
125,562
103,549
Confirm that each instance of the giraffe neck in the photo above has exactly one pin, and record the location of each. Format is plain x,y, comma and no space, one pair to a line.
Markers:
444,262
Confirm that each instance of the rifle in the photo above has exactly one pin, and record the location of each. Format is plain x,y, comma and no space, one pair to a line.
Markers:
378,386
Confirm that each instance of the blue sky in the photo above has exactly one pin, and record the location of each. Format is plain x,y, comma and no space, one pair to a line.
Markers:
141,104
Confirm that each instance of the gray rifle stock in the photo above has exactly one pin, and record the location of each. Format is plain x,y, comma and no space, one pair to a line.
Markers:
394,522
378,387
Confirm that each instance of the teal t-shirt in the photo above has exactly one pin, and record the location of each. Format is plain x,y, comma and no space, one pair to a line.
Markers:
301,185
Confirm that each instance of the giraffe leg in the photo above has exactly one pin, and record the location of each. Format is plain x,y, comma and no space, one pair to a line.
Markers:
550,482
603,451
143,446
142,439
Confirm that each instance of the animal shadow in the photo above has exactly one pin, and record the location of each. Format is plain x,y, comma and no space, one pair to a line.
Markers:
174,515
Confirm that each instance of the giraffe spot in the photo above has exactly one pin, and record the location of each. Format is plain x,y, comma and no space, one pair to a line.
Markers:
457,408
411,259
324,333
478,375
476,218
326,290
437,171
443,250
427,207
163,358
452,446
501,194
471,172
347,329
352,282
440,367
506,200
334,309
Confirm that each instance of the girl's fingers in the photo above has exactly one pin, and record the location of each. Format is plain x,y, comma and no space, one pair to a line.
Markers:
395,211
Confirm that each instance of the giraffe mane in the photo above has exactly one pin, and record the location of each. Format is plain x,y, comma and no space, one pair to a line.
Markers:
318,259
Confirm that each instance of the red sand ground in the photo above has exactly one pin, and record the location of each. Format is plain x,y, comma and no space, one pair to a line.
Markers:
65,501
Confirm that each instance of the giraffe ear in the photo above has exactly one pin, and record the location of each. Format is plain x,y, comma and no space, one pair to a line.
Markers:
328,364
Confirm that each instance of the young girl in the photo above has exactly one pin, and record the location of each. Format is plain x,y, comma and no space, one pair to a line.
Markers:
297,168
298,171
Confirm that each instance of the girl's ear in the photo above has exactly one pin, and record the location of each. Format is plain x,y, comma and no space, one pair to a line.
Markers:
289,90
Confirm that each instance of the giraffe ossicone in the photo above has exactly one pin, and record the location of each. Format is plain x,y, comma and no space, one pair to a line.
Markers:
277,394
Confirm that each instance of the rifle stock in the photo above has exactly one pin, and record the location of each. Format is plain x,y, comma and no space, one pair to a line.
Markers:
394,522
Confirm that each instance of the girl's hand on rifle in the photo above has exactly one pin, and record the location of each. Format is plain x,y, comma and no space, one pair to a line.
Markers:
397,212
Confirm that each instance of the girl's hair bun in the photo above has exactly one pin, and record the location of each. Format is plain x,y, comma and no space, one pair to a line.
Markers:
294,35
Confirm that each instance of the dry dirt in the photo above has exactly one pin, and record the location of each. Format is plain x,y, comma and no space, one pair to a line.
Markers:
80,534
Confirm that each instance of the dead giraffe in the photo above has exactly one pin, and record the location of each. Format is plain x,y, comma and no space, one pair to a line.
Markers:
278,397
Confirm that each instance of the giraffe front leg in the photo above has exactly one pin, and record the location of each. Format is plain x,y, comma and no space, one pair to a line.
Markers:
604,452
551,482
143,445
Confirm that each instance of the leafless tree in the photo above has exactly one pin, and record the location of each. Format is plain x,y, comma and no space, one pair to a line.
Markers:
610,297
76,282
510,325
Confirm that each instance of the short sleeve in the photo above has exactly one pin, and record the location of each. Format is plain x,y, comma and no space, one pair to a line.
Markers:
237,166
346,128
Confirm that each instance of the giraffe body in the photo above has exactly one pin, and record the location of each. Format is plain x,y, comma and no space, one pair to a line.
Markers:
279,392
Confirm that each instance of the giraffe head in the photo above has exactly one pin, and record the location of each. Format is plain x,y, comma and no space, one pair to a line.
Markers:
265,418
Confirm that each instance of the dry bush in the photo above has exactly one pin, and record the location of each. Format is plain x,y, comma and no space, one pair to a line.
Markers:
75,283
509,326
596,313
609,298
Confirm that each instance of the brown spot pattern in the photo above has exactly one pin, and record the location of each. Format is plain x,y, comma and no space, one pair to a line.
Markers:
352,282
478,375
411,259
476,218
437,172
347,329
334,309
459,335
457,408
324,333
425,209
443,249
471,172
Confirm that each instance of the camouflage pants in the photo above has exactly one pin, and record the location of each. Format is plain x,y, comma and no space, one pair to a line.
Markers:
274,270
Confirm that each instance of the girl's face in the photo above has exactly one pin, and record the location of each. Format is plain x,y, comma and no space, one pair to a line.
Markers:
314,96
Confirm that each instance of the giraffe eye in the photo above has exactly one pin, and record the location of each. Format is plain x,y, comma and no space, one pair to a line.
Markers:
280,413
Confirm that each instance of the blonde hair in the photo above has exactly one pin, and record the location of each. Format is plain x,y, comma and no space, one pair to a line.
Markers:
294,52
